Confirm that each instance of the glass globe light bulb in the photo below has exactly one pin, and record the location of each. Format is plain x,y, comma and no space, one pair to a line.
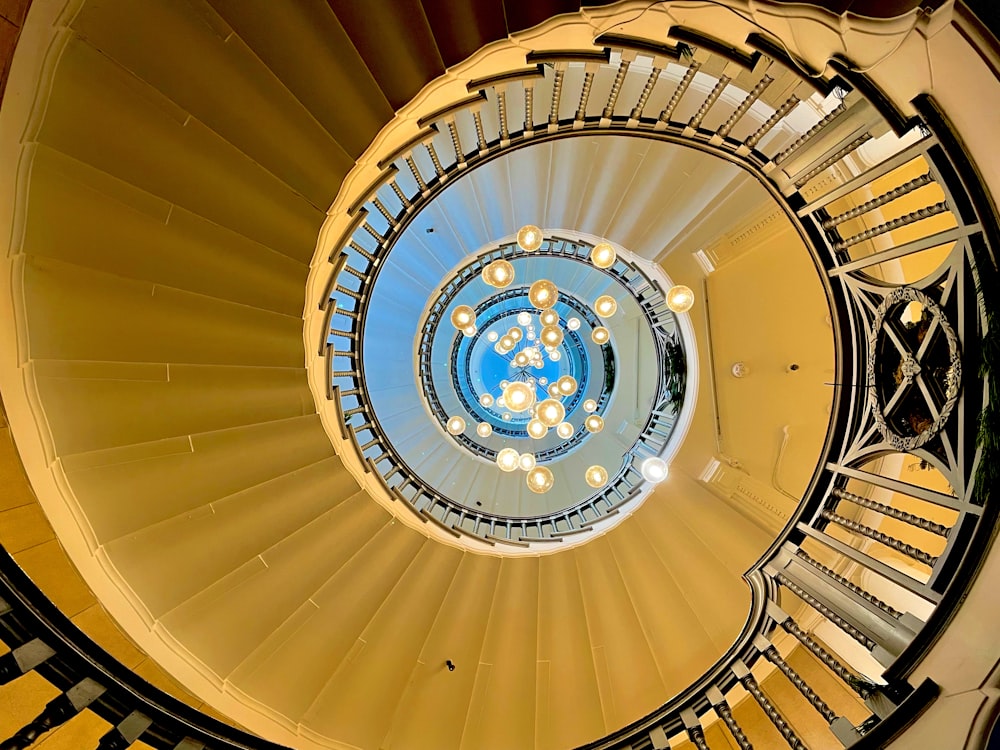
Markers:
456,425
551,412
605,306
590,406
551,336
573,324
498,274
565,430
526,461
593,423
603,255
529,238
600,335
500,402
555,356
521,359
549,317
462,317
680,298
540,480
470,330
553,390
504,384
567,385
515,333
506,343
507,459
537,429
486,400
523,318
506,416
596,476
518,396
654,469
543,294
543,381
484,429
493,337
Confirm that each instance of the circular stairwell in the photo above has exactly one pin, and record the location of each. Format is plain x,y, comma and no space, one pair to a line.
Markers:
159,280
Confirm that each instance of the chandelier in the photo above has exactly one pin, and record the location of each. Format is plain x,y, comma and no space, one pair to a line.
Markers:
527,347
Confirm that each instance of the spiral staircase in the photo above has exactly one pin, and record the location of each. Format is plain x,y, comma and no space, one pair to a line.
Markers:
184,179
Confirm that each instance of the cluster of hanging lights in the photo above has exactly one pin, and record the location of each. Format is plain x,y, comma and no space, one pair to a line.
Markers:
520,395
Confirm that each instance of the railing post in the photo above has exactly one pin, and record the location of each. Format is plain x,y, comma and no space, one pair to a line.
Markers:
747,680
23,659
883,634
58,711
128,731
718,702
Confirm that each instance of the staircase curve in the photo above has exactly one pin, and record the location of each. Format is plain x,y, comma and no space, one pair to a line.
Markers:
165,235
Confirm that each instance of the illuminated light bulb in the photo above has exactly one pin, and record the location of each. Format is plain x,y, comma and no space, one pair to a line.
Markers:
543,381
593,423
573,324
590,406
549,317
484,429
553,390
565,430
529,238
492,336
523,318
537,429
531,335
498,348
521,359
654,470
498,274
486,400
526,461
456,425
551,412
567,385
519,396
538,364
596,476
515,333
603,255
506,416
462,317
470,330
504,384
539,480
605,306
500,402
555,356
506,343
543,294
600,335
507,459
680,298
530,352
551,336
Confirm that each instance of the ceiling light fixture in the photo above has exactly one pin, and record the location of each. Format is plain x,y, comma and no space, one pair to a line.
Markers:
526,348
680,298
